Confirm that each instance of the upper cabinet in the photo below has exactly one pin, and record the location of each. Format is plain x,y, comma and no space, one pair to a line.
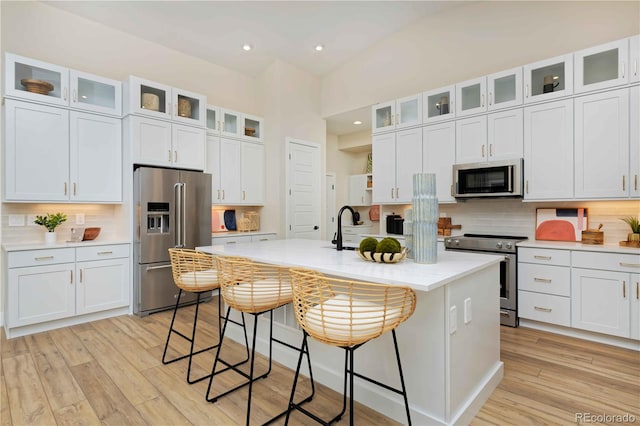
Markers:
493,92
233,124
145,97
471,96
602,66
397,114
634,59
38,81
360,188
438,104
548,79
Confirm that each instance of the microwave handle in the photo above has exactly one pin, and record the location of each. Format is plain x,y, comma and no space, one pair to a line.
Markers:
510,179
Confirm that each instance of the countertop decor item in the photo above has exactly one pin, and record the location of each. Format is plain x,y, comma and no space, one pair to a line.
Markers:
91,233
230,219
50,221
634,224
374,213
593,236
560,224
37,86
425,218
383,257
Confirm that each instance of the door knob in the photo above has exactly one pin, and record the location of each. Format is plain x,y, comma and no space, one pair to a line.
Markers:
316,227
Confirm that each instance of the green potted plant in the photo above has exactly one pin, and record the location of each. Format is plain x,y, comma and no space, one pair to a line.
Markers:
50,221
634,224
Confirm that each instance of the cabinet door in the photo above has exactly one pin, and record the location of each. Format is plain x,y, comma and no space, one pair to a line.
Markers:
188,147
635,306
40,293
602,145
504,89
438,156
408,163
634,142
20,71
214,122
213,167
358,193
148,98
471,140
548,79
634,59
383,149
600,301
102,285
36,152
252,128
438,104
548,150
471,96
230,175
97,94
188,107
383,117
231,123
151,141
96,157
505,135
409,111
602,66
252,168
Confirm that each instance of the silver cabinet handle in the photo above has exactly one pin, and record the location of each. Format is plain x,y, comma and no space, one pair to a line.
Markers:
482,103
542,280
75,96
538,308
490,98
624,182
637,289
526,90
65,188
623,65
175,156
223,194
169,152
71,277
243,195
630,265
542,257
43,258
80,276
391,192
74,188
482,149
490,150
624,289
218,194
104,252
65,94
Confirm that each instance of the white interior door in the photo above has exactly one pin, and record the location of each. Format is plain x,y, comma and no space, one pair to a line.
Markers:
330,211
304,190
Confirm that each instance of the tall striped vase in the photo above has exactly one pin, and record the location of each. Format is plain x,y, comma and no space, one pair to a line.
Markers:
425,218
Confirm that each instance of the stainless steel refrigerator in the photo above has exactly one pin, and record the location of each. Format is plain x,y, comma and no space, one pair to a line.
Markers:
172,209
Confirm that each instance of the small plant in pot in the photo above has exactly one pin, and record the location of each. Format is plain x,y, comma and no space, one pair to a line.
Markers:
50,221
634,224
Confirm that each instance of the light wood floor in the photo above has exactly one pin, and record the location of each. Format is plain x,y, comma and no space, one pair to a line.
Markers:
109,372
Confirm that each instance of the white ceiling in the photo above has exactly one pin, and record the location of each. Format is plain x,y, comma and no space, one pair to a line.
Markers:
286,30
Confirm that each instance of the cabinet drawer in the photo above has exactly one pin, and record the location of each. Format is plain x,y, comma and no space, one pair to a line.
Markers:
18,259
609,261
102,252
231,240
263,237
544,279
545,308
544,256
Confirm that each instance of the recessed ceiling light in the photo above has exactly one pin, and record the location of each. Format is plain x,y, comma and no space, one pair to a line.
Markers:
357,122
319,47
247,47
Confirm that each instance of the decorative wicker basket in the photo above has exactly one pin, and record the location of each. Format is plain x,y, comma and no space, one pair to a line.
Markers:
248,131
250,222
37,86
383,257
184,107
150,101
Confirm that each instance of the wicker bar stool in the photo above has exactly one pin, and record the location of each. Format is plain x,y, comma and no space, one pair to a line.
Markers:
348,314
253,288
194,272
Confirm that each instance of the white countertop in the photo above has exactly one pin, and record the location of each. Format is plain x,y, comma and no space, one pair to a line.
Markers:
568,245
238,233
320,255
62,244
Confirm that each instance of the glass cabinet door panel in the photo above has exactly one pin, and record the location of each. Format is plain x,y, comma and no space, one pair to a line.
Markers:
94,93
471,96
188,108
505,89
35,80
252,127
409,111
230,123
549,79
383,115
153,99
438,104
602,66
213,115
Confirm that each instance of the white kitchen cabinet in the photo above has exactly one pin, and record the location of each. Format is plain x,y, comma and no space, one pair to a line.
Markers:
602,145
353,234
252,175
548,79
471,140
212,166
504,89
634,142
230,163
602,66
471,97
548,150
359,192
396,158
634,59
214,122
397,114
160,101
162,143
635,307
96,94
240,125
438,156
438,104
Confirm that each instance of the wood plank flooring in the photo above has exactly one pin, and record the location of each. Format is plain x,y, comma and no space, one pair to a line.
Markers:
110,372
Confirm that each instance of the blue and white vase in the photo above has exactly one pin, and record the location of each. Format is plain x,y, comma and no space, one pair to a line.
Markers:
425,218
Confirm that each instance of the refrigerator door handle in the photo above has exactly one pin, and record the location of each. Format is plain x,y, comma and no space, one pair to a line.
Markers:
177,194
183,214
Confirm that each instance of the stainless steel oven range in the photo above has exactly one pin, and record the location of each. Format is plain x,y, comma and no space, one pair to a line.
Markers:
496,244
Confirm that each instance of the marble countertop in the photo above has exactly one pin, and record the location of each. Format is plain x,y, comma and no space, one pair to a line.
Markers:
323,257
62,244
567,245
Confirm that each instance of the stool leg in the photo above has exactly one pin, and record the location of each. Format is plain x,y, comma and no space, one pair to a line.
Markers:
404,389
253,359
350,352
166,345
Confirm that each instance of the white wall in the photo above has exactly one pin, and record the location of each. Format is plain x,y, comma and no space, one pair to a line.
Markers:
472,40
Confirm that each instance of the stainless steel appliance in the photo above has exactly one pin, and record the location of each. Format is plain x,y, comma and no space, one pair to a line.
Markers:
498,244
493,179
172,209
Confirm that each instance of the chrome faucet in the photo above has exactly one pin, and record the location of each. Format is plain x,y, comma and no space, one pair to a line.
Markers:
338,239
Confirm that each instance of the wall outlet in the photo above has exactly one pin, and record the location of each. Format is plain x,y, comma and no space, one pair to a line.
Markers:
31,218
16,220
79,218
467,310
453,319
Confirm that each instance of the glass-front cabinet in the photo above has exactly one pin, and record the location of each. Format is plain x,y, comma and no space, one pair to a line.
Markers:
35,80
634,59
252,127
548,79
383,117
504,89
231,123
188,107
471,96
438,104
214,122
240,126
397,114
97,94
602,66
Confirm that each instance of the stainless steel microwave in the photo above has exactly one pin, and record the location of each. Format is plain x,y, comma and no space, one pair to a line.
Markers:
493,179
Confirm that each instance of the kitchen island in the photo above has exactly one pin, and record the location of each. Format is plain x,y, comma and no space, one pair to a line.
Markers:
450,347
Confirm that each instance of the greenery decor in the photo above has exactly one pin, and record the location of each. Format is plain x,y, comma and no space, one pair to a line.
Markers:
50,221
633,222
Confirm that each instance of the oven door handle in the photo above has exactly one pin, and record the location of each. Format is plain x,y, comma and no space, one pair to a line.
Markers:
510,180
